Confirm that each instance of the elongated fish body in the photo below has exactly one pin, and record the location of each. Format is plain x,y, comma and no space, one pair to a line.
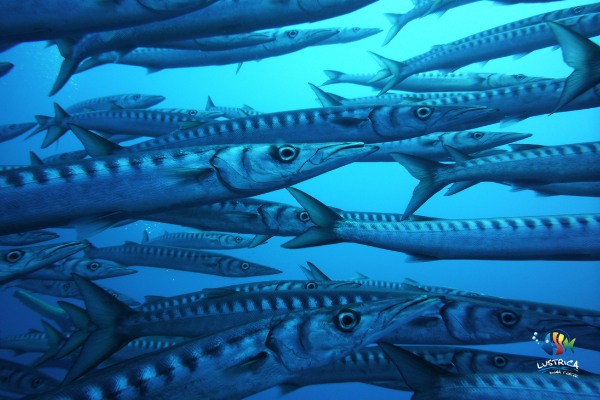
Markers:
219,43
561,237
369,124
431,146
520,102
143,346
45,310
180,259
483,48
129,101
11,131
192,112
281,346
151,182
5,68
121,122
21,379
231,112
66,289
436,81
225,17
18,262
30,21
549,164
348,35
31,342
27,238
90,269
155,59
585,189
202,240
66,157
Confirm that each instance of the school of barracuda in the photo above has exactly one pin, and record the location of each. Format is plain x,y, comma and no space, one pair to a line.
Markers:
201,170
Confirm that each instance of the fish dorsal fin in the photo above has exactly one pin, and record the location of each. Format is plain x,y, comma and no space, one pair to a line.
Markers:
324,97
59,114
412,285
239,66
96,146
458,187
247,107
307,273
145,237
319,213
35,160
349,123
243,114
359,277
31,330
130,243
457,155
152,299
258,240
87,109
209,104
316,272
113,106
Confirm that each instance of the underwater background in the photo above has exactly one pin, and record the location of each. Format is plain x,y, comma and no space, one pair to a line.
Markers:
280,83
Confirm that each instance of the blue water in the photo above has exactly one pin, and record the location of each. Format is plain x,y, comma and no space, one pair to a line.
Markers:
281,84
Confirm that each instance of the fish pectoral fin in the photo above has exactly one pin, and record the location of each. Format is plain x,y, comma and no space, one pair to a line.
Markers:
287,388
513,119
258,240
190,124
360,276
325,98
349,123
459,187
88,227
241,217
525,185
242,113
416,258
95,145
249,366
130,243
315,236
187,175
113,106
457,155
150,70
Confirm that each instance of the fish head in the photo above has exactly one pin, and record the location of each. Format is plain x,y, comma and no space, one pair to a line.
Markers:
28,259
234,241
346,35
249,169
474,141
314,338
474,361
23,380
505,80
94,269
299,38
14,130
411,120
241,268
139,101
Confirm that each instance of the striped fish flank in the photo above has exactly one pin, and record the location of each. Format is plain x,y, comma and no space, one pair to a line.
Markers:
202,240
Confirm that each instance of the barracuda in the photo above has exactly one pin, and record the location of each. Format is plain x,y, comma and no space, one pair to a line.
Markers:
436,7
223,309
549,164
156,59
585,189
65,157
231,112
203,262
138,123
372,365
21,379
224,17
436,81
218,43
45,310
31,342
192,112
202,240
11,131
369,124
561,237
431,382
27,238
106,190
17,263
90,269
480,48
43,20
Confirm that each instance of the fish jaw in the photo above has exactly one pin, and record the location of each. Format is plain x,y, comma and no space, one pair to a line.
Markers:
452,116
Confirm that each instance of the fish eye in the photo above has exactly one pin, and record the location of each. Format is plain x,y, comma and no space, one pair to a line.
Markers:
292,34
37,382
500,361
66,286
245,266
520,77
423,112
136,97
12,126
94,266
577,10
478,135
303,216
63,156
311,285
355,29
508,318
14,256
193,112
287,153
238,239
346,320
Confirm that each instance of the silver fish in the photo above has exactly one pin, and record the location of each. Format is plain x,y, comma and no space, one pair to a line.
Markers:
17,263
11,131
202,240
550,164
130,101
88,268
219,43
231,112
153,182
27,238
192,112
562,237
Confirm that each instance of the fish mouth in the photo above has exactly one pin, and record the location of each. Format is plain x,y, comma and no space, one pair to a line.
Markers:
157,99
401,313
510,137
63,250
321,34
114,272
348,150
266,271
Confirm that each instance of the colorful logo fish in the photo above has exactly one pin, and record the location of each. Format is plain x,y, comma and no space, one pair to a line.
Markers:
557,343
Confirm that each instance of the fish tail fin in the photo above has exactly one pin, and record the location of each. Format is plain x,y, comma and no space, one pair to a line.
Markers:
67,69
54,133
424,170
397,24
104,311
59,114
390,67
96,146
333,76
583,55
42,120
81,321
324,217
34,159
54,338
419,375
209,104
325,98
